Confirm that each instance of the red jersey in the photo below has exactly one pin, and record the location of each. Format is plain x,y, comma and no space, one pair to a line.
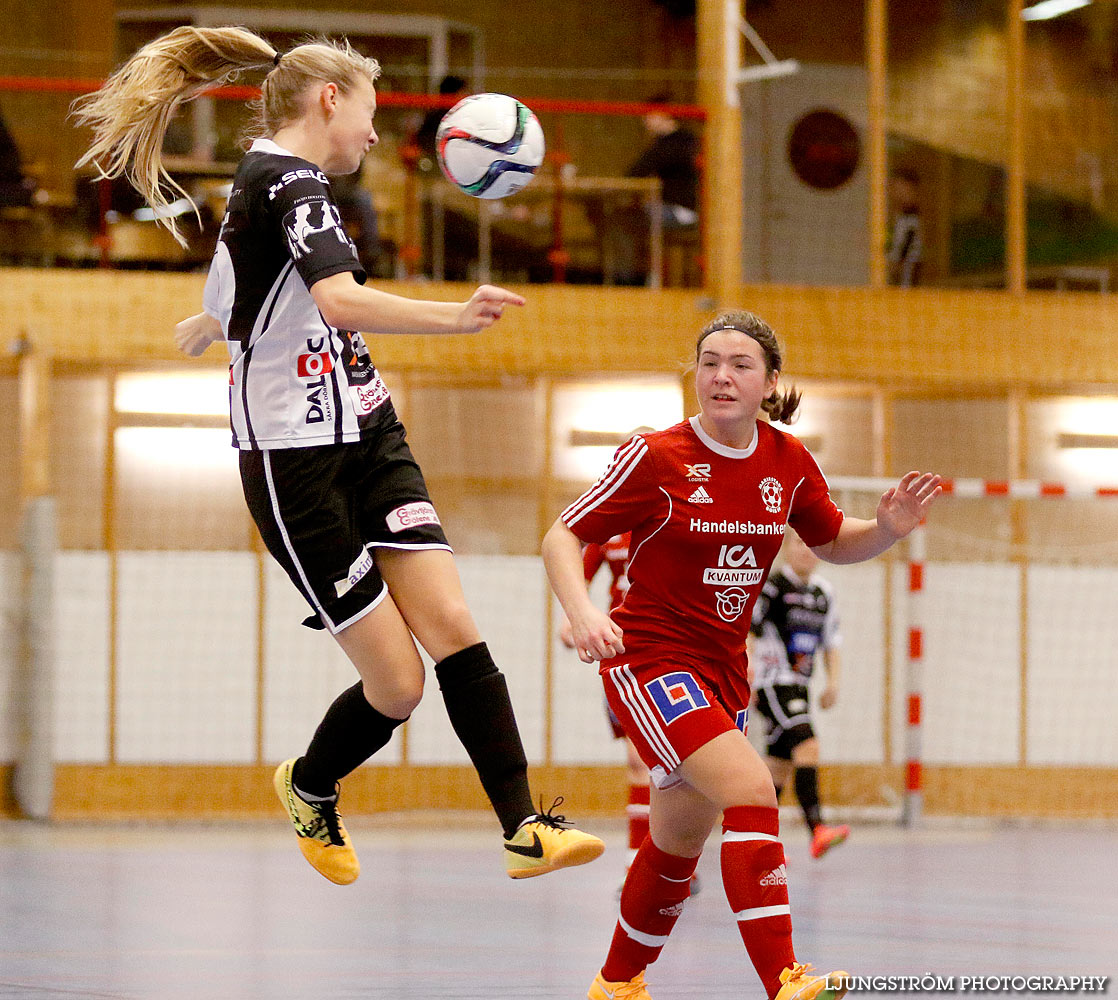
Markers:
615,554
707,522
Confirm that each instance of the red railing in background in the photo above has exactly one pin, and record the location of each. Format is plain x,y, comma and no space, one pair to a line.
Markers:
410,251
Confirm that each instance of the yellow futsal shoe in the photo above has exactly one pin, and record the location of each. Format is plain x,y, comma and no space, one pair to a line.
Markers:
542,843
634,989
799,984
322,837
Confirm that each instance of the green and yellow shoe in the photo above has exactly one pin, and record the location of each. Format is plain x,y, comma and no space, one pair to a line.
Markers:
318,825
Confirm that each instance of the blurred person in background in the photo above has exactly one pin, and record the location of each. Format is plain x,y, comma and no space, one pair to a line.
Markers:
672,156
16,189
449,86
906,243
795,619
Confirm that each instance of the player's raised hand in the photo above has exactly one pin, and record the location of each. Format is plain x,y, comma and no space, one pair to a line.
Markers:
194,335
597,636
485,307
904,506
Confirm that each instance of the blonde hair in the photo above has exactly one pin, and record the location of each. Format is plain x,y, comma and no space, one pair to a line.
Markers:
130,113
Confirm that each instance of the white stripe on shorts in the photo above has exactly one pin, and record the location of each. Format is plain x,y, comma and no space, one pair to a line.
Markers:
327,621
658,741
335,629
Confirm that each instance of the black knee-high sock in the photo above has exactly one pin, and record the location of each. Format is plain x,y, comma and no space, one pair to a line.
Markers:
807,791
477,702
348,735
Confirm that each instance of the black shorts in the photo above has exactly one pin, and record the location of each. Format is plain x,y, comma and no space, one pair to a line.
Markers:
323,510
787,710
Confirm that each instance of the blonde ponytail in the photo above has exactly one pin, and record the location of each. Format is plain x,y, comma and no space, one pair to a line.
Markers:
131,111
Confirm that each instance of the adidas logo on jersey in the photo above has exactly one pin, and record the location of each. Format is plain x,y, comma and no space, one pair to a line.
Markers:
778,876
700,496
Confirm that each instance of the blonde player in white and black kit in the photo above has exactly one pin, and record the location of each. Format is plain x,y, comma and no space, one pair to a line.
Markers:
326,469
794,622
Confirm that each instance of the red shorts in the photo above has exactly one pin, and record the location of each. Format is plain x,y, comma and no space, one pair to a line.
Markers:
669,707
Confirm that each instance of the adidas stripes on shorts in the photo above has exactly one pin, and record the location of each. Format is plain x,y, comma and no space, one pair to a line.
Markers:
669,708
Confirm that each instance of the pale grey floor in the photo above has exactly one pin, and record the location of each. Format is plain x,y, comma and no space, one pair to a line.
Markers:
212,913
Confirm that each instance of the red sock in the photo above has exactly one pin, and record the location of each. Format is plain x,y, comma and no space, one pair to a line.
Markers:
656,888
637,811
756,884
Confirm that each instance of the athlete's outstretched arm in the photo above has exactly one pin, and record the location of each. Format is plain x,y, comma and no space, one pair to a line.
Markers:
194,335
349,306
595,635
899,511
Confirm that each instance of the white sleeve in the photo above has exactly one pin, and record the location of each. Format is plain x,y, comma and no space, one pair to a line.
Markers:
217,297
832,636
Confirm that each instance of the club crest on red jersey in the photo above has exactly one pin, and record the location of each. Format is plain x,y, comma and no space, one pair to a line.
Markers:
772,494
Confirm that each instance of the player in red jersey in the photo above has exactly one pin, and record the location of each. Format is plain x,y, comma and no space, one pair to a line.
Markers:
707,502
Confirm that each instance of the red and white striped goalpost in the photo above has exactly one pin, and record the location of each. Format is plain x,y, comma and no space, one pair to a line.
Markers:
969,489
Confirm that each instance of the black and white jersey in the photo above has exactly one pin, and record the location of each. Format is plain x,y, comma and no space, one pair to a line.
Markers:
294,380
793,619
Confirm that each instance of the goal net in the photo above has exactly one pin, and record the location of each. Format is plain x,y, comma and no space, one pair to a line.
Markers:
977,657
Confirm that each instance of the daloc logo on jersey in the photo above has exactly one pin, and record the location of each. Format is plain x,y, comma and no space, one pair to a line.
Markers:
675,695
314,366
310,365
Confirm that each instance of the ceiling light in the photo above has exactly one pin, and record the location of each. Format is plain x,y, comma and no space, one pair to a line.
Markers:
1051,8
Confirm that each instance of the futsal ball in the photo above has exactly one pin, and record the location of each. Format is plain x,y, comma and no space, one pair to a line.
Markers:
489,145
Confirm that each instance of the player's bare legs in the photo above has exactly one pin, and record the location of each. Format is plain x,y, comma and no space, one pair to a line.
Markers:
382,649
425,586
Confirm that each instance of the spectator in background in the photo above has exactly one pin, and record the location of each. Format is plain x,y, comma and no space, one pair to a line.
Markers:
449,86
672,156
15,188
906,244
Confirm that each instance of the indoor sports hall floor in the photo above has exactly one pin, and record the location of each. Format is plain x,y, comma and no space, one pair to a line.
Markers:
211,913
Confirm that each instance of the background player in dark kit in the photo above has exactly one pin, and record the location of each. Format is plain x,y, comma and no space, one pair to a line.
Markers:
795,619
